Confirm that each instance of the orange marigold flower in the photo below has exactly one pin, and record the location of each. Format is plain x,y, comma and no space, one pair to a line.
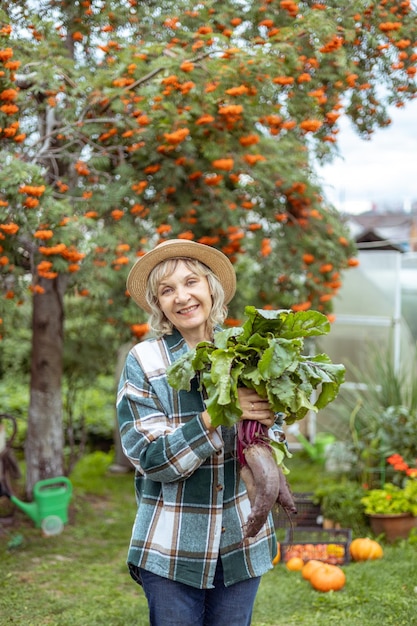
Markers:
9,229
325,268
77,36
117,214
43,234
304,78
4,260
223,164
73,267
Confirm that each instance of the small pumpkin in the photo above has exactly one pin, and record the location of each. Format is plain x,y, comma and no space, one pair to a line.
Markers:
364,549
328,578
277,557
310,567
295,563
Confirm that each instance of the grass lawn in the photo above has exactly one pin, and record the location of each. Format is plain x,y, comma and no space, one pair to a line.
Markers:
79,577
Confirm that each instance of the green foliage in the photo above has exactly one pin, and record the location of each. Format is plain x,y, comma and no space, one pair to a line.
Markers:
89,411
340,502
381,415
391,499
88,475
264,354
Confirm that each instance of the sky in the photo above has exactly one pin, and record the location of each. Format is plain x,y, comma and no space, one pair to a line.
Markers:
381,172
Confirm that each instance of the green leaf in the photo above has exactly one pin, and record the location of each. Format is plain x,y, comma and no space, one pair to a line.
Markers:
181,372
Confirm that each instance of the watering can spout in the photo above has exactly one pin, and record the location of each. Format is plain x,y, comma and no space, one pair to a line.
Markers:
50,497
30,508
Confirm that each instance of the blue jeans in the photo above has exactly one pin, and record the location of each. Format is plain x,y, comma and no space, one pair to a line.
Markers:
175,604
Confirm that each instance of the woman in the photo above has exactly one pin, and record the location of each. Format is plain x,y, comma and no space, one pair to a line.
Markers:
187,548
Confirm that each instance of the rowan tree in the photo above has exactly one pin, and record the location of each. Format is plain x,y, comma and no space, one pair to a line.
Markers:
124,123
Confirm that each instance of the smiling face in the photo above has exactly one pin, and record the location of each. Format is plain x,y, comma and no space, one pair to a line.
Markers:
184,298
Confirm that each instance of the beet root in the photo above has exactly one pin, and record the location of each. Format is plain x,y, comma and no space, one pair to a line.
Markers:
265,478
285,498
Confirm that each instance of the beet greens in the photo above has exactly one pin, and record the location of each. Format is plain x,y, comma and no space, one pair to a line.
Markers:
264,354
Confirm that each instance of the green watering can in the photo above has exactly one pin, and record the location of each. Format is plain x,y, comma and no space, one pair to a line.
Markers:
51,498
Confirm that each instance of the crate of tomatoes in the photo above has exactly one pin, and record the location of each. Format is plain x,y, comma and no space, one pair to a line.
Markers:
327,545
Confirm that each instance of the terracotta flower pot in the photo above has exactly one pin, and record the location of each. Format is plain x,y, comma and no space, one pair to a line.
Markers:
393,526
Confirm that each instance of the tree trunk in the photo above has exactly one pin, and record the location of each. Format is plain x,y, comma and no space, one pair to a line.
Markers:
44,441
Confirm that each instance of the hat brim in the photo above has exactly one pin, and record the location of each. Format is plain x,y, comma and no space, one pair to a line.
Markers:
214,259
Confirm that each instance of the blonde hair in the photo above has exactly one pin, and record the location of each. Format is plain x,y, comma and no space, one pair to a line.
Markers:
157,320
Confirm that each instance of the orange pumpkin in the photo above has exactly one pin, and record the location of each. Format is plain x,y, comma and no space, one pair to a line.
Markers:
328,578
295,563
310,567
364,549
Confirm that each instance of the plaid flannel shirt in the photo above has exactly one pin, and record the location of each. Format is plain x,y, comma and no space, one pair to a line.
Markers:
191,502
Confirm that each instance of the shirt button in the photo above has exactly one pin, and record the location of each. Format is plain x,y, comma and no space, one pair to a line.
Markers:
223,529
219,488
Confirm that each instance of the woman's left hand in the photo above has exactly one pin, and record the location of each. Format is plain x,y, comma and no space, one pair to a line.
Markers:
254,407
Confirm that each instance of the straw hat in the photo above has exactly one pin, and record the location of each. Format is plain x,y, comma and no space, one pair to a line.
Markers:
172,248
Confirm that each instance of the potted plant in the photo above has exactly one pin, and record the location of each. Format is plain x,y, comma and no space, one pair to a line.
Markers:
340,504
392,508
